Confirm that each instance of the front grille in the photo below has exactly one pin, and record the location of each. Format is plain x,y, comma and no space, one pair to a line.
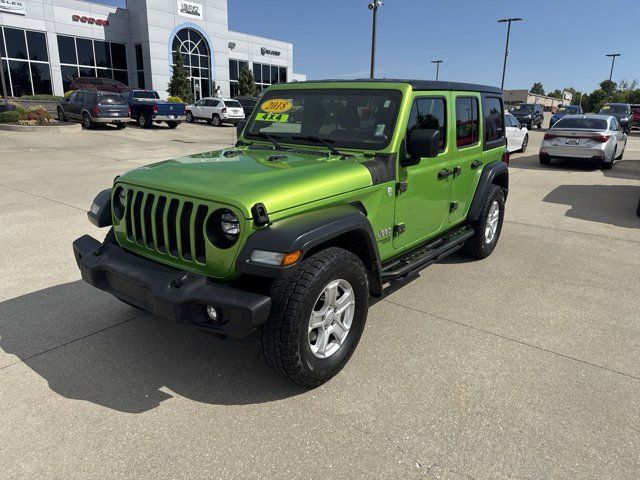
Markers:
166,225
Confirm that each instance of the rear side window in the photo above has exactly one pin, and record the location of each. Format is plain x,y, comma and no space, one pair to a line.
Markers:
429,113
493,128
467,128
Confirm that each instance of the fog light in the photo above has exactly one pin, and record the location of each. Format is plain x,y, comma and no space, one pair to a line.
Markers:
213,313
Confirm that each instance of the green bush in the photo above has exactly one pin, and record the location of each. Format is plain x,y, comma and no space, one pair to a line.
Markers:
53,98
12,116
174,100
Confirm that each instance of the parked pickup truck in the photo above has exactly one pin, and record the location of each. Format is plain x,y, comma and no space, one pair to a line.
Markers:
146,108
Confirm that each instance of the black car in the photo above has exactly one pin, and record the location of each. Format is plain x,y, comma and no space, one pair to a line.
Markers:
622,112
529,114
248,104
91,107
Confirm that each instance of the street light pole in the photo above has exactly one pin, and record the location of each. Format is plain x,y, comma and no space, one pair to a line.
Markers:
437,62
613,61
506,49
373,6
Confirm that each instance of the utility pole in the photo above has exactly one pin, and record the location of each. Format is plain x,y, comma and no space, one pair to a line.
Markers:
506,49
613,61
437,62
373,6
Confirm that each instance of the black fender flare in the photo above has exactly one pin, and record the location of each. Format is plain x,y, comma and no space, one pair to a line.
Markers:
306,231
496,172
100,212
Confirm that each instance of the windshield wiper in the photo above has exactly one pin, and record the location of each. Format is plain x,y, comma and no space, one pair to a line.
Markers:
271,138
326,142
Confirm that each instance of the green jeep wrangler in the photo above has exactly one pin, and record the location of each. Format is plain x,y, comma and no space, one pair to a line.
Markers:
333,190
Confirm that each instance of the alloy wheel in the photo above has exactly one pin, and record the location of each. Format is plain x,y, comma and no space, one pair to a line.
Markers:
491,226
331,318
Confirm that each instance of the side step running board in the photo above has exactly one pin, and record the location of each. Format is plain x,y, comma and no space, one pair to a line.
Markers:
425,255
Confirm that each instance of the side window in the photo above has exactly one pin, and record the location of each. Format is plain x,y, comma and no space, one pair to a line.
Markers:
429,113
614,124
79,97
467,128
73,97
493,113
216,103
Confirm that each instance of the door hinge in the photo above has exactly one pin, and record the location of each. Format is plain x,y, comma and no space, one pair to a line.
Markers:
453,207
401,187
398,229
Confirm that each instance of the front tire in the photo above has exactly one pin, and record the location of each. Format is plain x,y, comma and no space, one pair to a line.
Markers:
121,126
317,317
525,142
61,116
489,225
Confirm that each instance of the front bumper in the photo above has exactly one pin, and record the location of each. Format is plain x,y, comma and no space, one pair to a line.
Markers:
169,118
167,292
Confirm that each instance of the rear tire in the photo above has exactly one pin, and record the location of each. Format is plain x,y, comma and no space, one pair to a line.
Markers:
619,157
121,126
216,120
190,118
144,121
545,160
300,339
488,226
173,125
540,126
86,121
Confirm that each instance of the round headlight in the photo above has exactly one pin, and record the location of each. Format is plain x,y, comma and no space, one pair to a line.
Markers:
119,202
223,228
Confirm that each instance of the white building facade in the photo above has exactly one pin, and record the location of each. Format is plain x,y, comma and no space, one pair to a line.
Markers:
44,44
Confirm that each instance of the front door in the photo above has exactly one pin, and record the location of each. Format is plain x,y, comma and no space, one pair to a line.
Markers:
421,211
196,87
467,153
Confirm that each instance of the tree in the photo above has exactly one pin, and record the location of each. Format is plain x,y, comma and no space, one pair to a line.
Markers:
597,99
577,98
537,89
608,86
180,85
555,94
247,83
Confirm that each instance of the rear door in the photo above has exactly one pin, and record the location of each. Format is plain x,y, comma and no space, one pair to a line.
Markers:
467,152
75,104
422,209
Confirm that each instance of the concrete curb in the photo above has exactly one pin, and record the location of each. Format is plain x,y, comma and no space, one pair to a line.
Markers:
60,128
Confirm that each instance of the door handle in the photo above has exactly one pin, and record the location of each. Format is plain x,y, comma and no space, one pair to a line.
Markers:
476,164
456,171
444,174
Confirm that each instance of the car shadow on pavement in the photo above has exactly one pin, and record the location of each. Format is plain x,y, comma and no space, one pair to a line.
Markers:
88,346
609,204
531,162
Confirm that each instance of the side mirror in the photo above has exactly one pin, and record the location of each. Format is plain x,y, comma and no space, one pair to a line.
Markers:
424,143
520,126
240,126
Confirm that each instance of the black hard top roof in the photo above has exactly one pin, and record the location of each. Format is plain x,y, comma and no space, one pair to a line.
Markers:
421,84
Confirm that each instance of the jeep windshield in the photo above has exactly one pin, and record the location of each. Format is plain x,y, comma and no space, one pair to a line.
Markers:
345,118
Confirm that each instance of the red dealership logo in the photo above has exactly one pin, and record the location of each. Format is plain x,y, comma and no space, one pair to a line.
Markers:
89,20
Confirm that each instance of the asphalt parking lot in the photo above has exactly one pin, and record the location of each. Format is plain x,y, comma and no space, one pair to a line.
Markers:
523,366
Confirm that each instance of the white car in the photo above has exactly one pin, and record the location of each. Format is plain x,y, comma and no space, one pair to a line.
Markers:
215,111
517,134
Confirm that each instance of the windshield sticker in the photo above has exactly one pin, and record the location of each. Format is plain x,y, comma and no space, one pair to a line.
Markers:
276,105
606,107
272,117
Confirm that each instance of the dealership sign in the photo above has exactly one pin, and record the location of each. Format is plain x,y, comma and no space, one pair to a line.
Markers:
189,9
266,51
13,6
89,20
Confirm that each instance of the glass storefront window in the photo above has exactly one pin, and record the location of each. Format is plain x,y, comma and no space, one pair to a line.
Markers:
37,42
25,60
257,72
119,56
16,43
85,52
103,54
67,50
68,74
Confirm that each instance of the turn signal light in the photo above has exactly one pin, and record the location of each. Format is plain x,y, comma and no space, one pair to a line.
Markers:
550,136
291,258
224,110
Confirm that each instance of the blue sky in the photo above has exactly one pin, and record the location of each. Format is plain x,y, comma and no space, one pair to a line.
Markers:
561,43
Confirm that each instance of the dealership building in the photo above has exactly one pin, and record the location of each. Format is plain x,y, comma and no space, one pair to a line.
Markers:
44,44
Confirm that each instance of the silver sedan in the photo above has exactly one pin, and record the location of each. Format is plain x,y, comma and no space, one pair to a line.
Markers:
598,138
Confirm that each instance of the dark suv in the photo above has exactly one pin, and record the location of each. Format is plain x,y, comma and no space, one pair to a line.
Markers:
248,104
622,111
91,107
529,114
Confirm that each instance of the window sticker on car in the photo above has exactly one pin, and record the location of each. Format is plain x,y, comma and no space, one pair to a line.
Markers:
276,105
606,107
272,117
